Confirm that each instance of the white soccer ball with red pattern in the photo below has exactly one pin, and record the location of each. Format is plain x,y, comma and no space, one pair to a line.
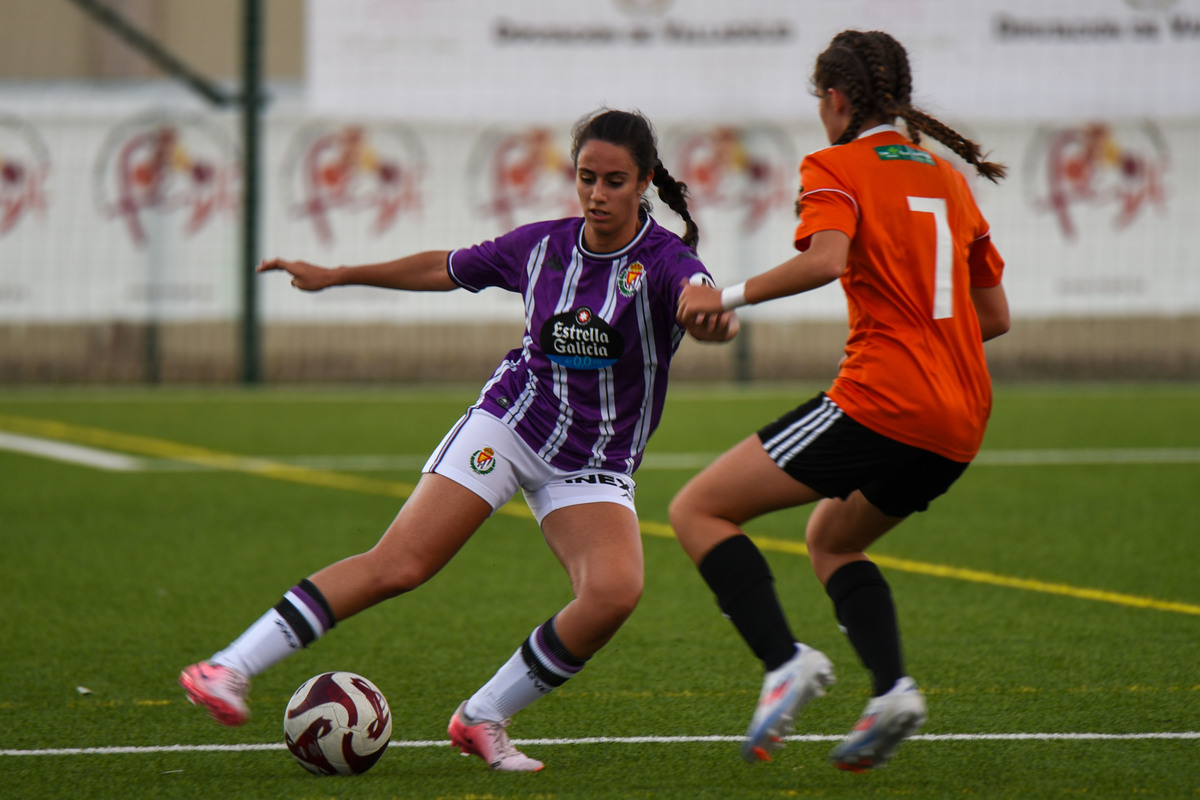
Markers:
337,723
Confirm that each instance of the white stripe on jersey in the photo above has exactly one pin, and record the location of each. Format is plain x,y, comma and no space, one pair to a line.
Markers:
610,302
608,412
533,268
608,390
570,283
524,402
561,375
641,433
785,445
677,334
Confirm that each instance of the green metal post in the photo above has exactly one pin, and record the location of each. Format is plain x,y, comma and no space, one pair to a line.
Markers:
251,110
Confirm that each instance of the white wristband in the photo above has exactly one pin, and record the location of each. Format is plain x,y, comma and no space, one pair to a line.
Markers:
733,296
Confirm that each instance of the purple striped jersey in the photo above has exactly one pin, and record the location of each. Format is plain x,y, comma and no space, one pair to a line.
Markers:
586,388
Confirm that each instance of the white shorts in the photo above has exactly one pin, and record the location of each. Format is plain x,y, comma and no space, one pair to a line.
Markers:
484,455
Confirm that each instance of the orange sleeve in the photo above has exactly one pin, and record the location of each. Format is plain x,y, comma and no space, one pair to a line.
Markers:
825,202
985,262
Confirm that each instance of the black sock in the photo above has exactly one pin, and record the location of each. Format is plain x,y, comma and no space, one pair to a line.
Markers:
863,604
741,579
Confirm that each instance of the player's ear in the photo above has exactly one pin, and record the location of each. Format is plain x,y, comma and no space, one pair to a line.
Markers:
839,100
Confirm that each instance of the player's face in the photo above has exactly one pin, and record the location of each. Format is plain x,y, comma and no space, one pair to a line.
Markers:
606,180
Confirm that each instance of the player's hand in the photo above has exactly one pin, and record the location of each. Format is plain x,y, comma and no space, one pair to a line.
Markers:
305,276
714,327
700,313
695,300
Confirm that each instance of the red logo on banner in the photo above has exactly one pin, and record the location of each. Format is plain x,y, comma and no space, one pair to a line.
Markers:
521,176
185,168
24,166
1098,166
353,170
746,170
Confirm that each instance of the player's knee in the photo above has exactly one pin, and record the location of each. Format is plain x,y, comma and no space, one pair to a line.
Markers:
613,599
683,511
389,578
818,542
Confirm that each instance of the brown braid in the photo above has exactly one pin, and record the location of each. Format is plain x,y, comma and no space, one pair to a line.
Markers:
674,194
634,132
872,69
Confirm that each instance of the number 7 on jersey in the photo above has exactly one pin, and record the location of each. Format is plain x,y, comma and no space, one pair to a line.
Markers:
943,273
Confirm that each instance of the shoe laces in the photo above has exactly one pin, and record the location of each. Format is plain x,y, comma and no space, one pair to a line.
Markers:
500,741
231,680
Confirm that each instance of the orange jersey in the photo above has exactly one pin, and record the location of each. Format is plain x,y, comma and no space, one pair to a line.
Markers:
915,369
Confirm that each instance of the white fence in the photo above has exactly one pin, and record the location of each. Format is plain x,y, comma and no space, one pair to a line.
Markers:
126,207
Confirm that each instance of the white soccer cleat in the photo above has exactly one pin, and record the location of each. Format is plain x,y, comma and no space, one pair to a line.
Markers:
785,691
489,741
221,690
887,721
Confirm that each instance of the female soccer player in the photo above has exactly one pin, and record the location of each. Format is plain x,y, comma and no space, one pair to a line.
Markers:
906,412
565,418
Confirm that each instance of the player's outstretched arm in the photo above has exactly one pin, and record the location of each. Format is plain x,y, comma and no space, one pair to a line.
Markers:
823,262
420,272
991,305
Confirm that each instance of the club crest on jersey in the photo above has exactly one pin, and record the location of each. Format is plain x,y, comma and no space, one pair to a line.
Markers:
580,340
483,461
629,279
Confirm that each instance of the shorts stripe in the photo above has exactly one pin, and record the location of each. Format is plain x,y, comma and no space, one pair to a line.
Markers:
435,459
786,444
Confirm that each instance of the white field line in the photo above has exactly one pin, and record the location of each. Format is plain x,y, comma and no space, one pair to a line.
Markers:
120,462
929,737
71,453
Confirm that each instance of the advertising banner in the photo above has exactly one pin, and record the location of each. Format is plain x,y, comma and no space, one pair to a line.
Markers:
130,210
734,62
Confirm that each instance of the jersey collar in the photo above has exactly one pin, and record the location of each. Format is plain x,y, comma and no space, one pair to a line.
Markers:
886,127
647,223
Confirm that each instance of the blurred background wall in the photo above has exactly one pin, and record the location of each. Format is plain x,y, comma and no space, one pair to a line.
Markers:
391,126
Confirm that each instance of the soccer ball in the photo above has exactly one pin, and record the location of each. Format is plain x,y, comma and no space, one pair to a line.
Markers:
337,723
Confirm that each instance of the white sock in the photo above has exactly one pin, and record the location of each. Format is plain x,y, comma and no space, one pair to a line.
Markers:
541,664
264,644
511,689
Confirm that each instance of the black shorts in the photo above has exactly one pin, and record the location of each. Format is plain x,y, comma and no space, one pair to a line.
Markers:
820,446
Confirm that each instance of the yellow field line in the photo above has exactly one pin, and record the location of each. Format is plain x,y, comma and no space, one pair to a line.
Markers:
230,462
199,456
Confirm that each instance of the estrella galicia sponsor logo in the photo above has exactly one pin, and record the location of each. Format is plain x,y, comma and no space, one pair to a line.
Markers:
629,279
580,340
483,461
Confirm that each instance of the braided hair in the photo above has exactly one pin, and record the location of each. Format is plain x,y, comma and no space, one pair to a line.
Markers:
872,69
634,132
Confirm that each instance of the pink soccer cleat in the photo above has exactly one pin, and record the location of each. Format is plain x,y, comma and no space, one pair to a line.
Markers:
489,741
221,690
